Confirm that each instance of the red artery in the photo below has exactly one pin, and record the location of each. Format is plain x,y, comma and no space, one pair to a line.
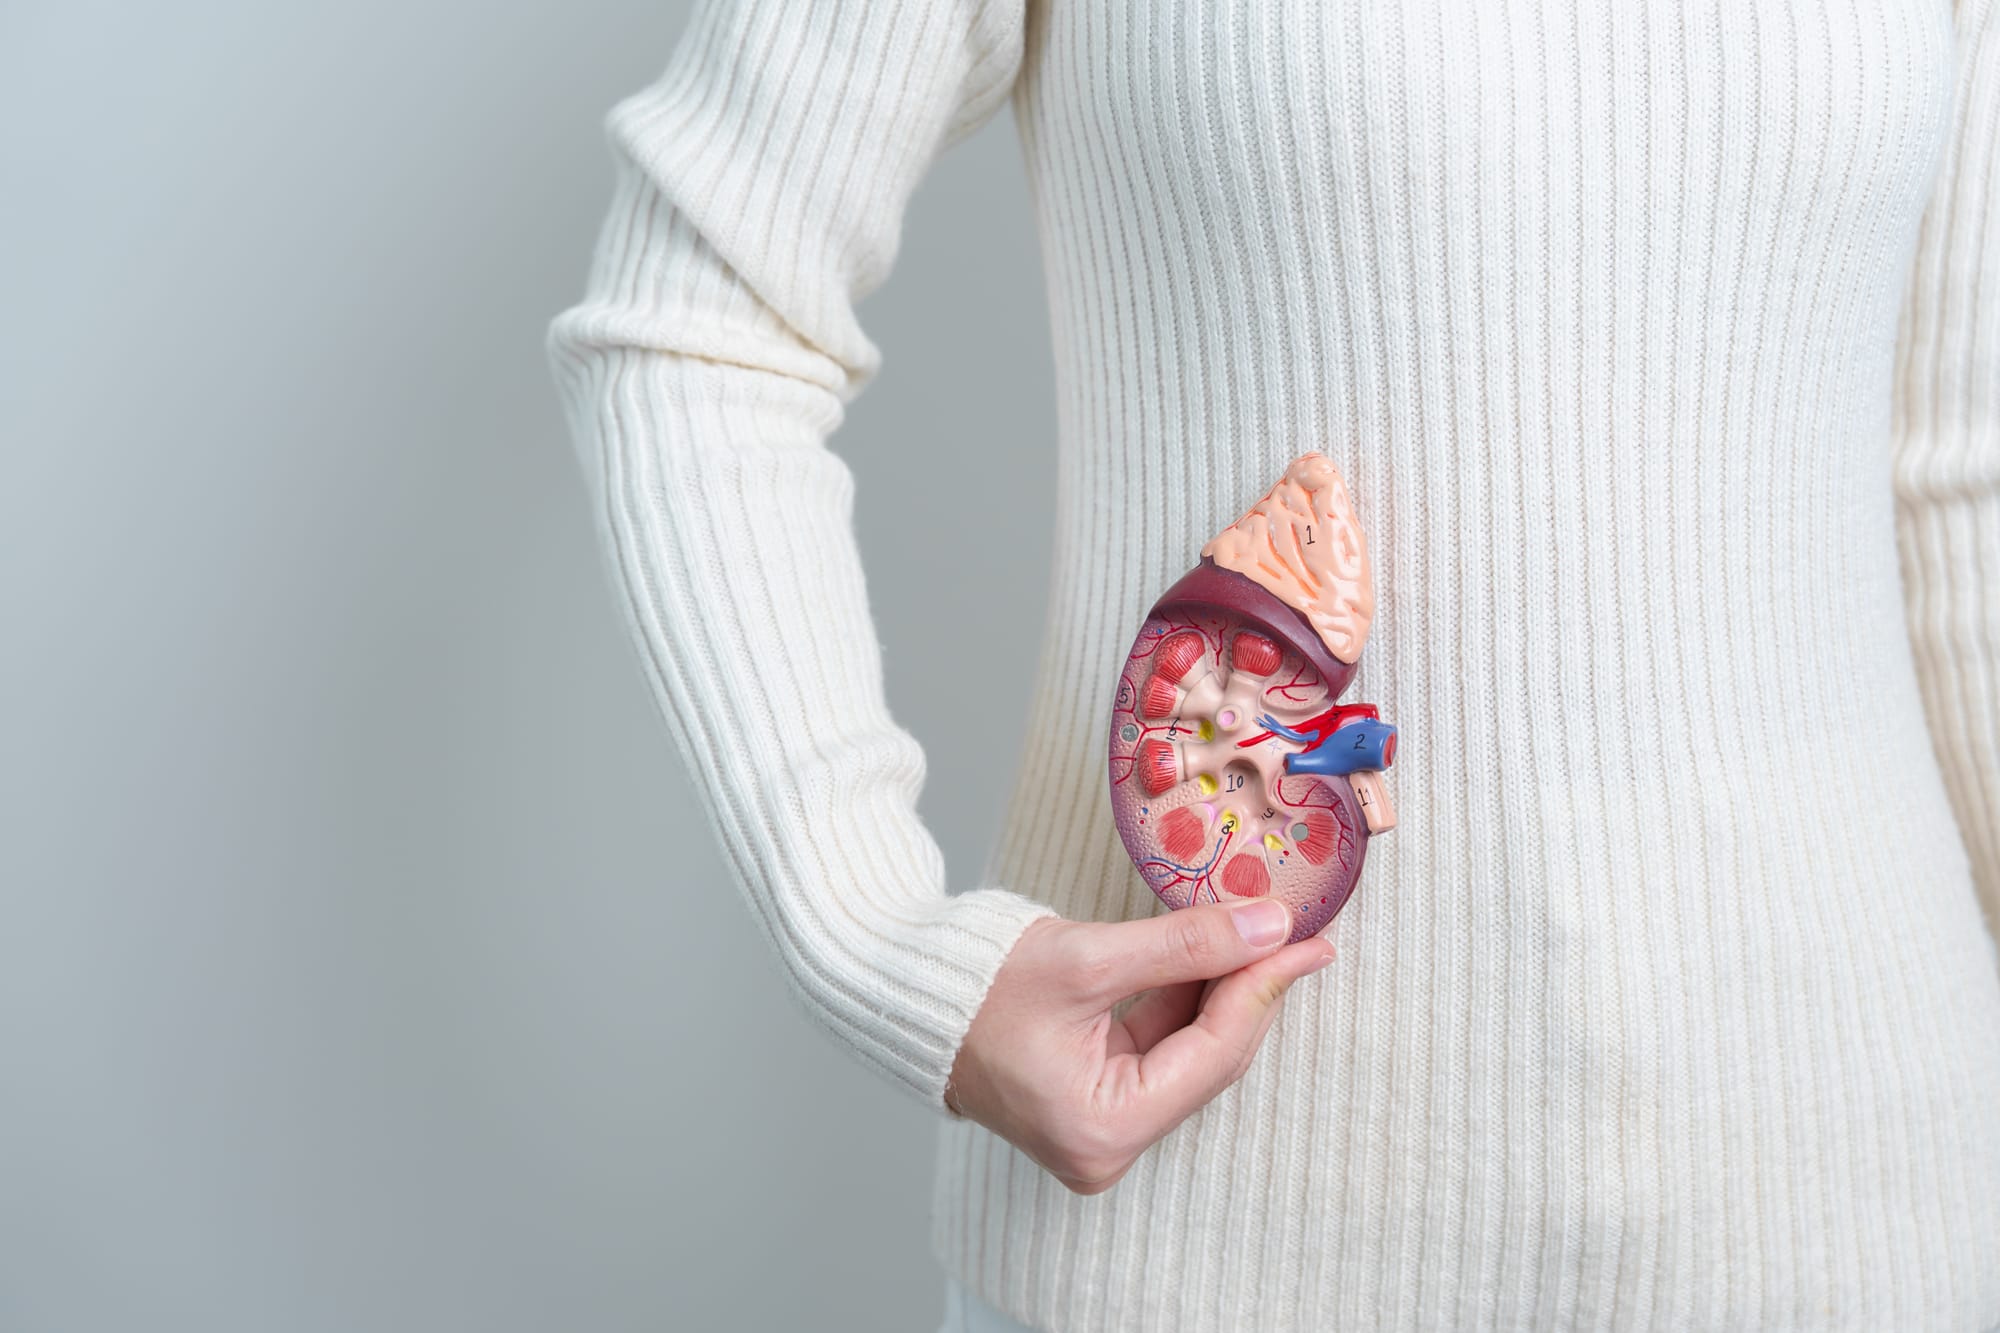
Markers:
1323,726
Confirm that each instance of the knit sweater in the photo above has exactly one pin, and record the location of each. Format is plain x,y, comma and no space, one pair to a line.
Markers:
1659,344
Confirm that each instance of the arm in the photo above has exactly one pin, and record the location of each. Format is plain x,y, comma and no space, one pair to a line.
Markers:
1947,450
760,186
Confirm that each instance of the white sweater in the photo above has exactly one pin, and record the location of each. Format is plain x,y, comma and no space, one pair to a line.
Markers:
1660,346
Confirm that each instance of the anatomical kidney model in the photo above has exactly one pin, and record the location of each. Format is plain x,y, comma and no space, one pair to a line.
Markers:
1234,773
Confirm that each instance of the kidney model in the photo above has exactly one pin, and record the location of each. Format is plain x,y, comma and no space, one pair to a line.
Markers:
1235,773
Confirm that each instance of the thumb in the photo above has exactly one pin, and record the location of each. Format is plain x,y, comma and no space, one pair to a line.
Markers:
1191,944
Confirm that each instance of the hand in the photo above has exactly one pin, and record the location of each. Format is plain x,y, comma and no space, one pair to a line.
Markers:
1046,1066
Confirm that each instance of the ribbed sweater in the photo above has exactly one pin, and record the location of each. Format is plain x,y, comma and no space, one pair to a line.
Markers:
1659,344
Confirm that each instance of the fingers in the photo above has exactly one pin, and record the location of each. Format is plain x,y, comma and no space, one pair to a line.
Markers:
1186,1068
1166,1009
1117,959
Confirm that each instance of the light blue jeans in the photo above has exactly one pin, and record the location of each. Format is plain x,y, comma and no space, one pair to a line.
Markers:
966,1313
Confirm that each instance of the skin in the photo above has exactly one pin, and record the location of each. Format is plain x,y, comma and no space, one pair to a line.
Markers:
1049,1066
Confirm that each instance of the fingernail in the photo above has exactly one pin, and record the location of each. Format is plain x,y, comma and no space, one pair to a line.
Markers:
1262,922
1323,961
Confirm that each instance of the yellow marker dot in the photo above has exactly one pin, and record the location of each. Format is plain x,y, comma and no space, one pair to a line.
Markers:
1228,824
1207,784
1206,730
1275,843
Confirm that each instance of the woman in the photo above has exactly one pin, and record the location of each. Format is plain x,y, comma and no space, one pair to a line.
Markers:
1660,347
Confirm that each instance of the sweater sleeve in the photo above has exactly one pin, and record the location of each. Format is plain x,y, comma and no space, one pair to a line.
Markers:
1947,450
760,188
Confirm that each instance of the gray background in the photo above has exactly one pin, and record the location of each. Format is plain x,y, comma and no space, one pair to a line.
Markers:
363,962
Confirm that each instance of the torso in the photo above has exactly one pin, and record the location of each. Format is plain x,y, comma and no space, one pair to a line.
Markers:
1667,1001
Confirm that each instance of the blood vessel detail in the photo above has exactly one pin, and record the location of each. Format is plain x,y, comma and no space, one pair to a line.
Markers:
1234,771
